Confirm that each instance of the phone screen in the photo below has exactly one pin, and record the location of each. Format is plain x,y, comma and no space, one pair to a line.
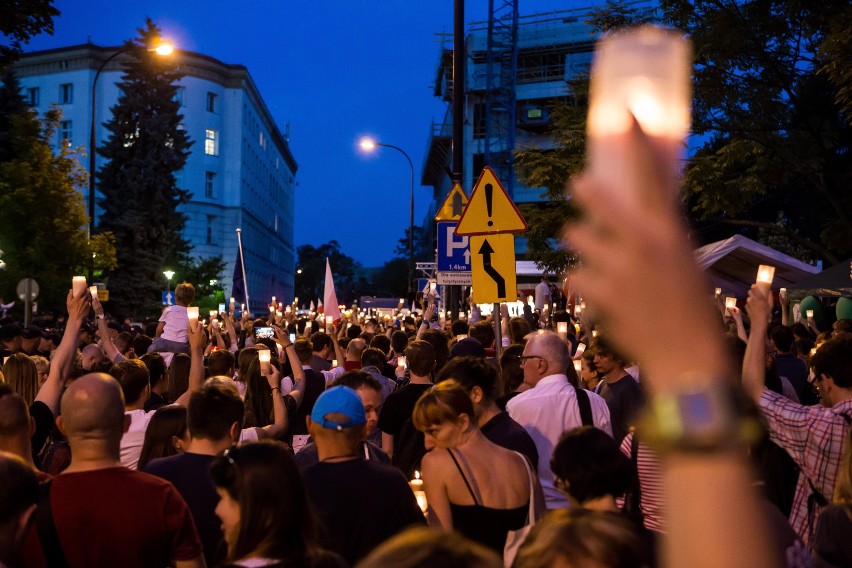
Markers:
292,338
264,332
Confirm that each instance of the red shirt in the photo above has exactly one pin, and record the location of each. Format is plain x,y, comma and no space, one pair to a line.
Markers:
117,517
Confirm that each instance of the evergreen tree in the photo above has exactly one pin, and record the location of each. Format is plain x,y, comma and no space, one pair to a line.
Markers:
20,21
146,146
42,217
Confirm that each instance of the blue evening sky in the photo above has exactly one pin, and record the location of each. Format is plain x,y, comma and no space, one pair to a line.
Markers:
335,70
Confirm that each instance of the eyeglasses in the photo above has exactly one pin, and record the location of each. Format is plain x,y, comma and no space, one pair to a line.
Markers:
524,358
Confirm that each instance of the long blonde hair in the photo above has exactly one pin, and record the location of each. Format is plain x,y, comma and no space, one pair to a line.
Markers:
22,375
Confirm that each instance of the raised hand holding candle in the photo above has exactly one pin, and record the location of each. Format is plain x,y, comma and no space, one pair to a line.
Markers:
78,284
416,485
578,365
192,314
730,302
809,314
718,292
93,290
765,276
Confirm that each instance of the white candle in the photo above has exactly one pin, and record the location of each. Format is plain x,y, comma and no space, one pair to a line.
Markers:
93,290
273,299
264,356
232,302
730,302
581,348
643,72
328,321
718,292
192,314
271,309
400,361
765,275
334,362
213,314
578,365
562,330
783,291
78,284
809,314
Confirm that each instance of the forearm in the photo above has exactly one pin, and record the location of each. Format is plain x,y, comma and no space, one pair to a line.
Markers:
106,340
741,331
279,423
754,360
51,391
732,532
196,374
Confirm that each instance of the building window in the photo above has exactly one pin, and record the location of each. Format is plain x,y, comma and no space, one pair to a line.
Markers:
33,96
262,140
180,92
208,184
211,102
211,221
66,93
211,142
65,131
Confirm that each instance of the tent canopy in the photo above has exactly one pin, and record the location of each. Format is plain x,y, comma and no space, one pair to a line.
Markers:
834,281
732,264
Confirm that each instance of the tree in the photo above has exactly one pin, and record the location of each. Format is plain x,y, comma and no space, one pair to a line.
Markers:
772,88
310,283
146,146
42,217
552,168
20,21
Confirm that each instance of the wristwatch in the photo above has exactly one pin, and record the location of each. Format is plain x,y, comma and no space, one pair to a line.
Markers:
704,416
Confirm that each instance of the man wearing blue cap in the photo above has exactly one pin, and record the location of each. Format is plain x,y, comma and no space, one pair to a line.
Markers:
361,503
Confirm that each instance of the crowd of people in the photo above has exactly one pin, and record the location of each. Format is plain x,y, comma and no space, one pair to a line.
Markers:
669,433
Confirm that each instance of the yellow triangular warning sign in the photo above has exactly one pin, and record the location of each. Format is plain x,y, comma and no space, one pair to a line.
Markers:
490,210
453,205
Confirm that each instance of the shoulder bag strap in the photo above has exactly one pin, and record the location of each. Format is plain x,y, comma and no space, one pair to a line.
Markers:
50,545
585,407
531,513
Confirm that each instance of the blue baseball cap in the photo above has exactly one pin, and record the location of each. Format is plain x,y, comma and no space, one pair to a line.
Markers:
342,401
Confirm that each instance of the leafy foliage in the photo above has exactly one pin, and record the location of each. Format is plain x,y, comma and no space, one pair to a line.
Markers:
146,146
772,99
20,21
310,283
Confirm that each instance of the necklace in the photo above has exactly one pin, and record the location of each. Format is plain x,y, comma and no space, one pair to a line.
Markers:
339,458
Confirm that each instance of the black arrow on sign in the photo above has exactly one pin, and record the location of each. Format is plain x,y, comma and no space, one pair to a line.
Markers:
486,251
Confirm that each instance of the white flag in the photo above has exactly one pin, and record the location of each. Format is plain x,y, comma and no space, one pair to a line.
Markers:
332,307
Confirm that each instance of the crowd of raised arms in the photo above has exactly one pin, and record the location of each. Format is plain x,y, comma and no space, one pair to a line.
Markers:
655,427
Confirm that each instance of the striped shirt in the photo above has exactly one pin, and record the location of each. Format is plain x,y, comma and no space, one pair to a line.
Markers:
815,437
651,496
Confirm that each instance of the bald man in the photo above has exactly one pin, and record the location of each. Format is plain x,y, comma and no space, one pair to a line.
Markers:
552,405
106,514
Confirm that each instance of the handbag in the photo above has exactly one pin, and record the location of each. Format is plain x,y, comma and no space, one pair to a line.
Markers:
515,538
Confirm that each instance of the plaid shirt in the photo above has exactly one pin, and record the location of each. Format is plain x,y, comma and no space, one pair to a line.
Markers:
815,437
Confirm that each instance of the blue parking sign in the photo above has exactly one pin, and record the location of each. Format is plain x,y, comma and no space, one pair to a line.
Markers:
453,251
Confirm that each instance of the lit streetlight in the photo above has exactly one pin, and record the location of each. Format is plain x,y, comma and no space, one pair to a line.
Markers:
163,49
169,274
369,145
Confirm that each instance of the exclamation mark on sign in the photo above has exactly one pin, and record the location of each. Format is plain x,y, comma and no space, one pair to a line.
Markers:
489,190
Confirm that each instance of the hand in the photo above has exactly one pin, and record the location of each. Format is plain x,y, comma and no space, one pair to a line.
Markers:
504,311
197,341
736,313
638,267
78,306
273,377
97,307
429,313
280,336
783,298
758,306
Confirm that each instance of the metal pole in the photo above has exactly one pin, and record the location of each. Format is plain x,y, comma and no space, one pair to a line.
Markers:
498,332
410,217
93,152
458,91
243,262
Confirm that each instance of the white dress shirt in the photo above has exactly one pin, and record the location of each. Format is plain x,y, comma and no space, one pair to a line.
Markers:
546,411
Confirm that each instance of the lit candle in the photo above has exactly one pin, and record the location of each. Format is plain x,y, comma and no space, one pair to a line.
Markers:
401,301
271,309
643,73
242,307
718,292
782,291
78,284
213,314
334,362
416,485
594,333
93,290
809,314
578,365
730,302
233,302
578,309
264,356
400,361
562,330
278,313
273,299
765,275
192,314
328,321
581,348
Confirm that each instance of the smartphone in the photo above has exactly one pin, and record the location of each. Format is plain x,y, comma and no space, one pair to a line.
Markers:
221,308
264,332
400,361
292,338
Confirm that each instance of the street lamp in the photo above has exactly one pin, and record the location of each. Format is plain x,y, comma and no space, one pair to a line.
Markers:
369,145
163,49
168,274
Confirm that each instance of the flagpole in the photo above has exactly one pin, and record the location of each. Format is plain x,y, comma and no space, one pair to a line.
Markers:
243,262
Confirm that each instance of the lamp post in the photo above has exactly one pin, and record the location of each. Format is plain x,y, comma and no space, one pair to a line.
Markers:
368,145
162,49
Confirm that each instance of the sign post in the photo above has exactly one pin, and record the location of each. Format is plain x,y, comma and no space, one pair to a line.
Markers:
490,219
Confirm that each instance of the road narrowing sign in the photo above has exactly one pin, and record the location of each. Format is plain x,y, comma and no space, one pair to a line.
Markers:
490,210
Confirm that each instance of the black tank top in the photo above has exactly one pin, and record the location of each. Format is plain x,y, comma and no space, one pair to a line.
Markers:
483,524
